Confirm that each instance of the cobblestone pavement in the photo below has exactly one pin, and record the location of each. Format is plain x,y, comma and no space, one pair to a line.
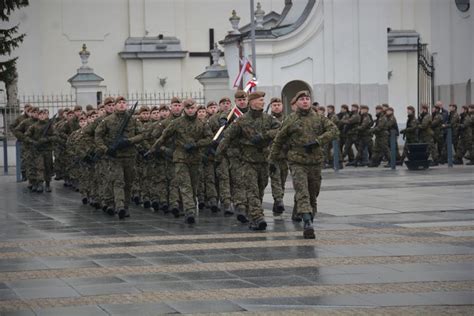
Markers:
388,243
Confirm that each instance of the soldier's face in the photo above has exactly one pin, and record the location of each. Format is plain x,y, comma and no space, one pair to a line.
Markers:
190,110
378,111
43,116
155,115
363,111
94,117
410,112
202,114
343,110
257,104
321,112
224,105
277,107
303,103
77,113
109,108
330,110
164,114
121,106
211,109
70,116
241,103
145,116
82,123
102,112
177,108
452,109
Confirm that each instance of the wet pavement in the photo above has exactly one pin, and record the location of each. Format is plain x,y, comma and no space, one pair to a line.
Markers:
388,243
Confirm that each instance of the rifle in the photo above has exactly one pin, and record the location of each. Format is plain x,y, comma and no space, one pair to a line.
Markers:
47,127
118,138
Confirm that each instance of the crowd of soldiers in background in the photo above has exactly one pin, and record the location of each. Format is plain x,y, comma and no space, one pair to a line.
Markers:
154,152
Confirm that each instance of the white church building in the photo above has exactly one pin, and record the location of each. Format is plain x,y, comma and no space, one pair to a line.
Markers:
401,52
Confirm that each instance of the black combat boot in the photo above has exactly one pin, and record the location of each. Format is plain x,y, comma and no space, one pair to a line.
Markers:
458,162
259,224
84,200
39,187
190,219
201,205
308,230
175,211
351,163
278,207
122,213
241,211
110,211
146,204
136,200
374,164
213,206
164,207
155,205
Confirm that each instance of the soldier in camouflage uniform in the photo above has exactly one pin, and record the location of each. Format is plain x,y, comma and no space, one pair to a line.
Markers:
436,126
342,115
121,159
364,142
139,190
14,125
453,124
333,117
464,144
351,122
410,133
381,134
426,133
27,149
305,133
392,125
223,166
280,174
253,133
63,131
40,136
190,134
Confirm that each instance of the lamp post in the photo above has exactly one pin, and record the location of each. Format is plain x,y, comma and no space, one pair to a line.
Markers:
252,37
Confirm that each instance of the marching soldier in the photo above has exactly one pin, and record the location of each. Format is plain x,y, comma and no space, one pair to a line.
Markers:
253,132
453,123
350,130
305,132
120,155
392,125
380,131
426,133
410,133
436,126
25,115
190,134
333,117
364,143
465,137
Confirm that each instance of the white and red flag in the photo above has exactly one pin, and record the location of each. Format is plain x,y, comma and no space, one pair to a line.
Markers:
245,67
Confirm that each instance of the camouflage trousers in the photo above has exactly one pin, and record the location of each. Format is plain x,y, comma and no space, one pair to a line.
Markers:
155,182
431,147
172,183
41,168
60,162
140,178
278,180
187,176
364,148
223,183
351,140
207,191
121,173
464,146
104,192
27,164
307,184
380,148
238,181
256,180
86,180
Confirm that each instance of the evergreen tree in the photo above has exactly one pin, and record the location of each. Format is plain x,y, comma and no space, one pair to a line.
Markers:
9,40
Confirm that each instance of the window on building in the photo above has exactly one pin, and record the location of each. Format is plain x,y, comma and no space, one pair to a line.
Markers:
463,5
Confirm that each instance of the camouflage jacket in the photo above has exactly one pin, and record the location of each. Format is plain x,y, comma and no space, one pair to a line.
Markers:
465,126
253,133
351,122
366,123
18,121
411,129
380,129
392,124
186,131
453,122
302,128
39,137
424,125
107,131
436,123
21,129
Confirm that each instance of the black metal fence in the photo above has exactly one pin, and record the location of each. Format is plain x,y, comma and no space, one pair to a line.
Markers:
426,72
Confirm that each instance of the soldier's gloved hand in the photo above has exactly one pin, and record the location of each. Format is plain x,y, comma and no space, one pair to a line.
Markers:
222,121
189,147
272,167
123,143
257,139
308,147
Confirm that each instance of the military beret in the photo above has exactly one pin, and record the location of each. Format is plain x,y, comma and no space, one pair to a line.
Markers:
163,107
100,106
89,107
344,106
201,107
211,103
438,106
175,100
379,107
77,108
303,93
256,95
465,107
188,103
143,108
275,99
109,100
120,98
454,105
154,108
293,101
411,108
224,99
390,109
355,105
90,113
330,106
315,103
43,111
385,105
322,108
240,94
34,109
425,106
363,106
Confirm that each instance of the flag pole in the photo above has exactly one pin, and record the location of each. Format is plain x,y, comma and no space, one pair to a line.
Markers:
252,37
